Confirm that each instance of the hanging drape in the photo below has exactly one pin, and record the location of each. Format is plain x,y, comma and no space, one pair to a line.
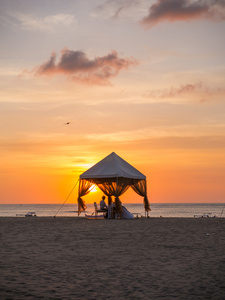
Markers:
109,200
146,204
118,205
140,187
84,189
112,187
108,186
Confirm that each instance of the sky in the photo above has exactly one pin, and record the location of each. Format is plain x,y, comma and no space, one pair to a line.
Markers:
143,79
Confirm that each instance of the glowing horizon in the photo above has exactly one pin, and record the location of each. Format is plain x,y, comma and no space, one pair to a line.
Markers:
144,79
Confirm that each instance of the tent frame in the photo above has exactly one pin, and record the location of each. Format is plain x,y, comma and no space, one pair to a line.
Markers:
103,175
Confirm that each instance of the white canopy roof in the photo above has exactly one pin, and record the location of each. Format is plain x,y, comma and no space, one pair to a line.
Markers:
112,166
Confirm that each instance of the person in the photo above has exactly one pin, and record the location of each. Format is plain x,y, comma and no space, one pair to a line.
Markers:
103,205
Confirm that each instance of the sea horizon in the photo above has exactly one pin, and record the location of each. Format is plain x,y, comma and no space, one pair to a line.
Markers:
181,210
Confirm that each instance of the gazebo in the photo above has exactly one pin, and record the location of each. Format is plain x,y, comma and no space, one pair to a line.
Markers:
113,176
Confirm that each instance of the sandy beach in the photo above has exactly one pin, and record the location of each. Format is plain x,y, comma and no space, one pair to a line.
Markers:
74,258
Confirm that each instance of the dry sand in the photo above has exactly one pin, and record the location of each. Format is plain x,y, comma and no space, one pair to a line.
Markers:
74,258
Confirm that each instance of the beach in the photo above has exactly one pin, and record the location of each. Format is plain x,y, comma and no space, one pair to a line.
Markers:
146,258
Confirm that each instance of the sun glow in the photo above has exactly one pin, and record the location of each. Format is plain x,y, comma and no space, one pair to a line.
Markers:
93,189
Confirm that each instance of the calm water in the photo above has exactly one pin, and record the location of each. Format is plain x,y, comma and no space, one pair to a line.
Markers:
186,210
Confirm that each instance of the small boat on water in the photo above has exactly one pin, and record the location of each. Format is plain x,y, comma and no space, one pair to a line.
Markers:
31,214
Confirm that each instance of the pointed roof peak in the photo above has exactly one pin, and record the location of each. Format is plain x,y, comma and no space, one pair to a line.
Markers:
112,166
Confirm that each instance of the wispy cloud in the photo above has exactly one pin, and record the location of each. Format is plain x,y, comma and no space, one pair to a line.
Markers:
119,8
184,10
51,23
159,132
78,67
175,91
204,93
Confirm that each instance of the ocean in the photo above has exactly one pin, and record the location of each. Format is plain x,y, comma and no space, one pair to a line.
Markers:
171,210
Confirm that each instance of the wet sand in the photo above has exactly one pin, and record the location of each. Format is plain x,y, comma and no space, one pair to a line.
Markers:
74,258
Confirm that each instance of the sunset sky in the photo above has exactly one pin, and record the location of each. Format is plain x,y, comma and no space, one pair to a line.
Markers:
145,79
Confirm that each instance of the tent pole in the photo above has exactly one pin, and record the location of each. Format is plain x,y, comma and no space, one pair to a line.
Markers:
116,215
146,193
116,186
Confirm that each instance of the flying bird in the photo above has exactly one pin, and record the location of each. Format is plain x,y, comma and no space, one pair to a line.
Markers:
67,123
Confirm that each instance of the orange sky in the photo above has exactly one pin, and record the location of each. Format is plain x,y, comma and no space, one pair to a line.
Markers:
144,79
